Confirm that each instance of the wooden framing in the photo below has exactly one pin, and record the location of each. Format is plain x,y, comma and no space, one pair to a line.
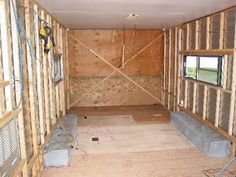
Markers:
5,119
208,52
38,76
206,93
169,68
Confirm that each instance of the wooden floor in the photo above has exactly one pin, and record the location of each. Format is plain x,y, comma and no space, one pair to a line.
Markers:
134,141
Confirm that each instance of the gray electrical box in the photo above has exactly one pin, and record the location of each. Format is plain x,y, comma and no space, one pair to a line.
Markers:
9,148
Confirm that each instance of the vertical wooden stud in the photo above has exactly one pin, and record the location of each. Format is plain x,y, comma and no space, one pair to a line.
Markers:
169,69
39,78
31,78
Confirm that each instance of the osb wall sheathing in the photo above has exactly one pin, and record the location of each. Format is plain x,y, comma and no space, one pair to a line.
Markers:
86,70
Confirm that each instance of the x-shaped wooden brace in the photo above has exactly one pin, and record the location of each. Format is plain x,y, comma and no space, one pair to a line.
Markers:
116,69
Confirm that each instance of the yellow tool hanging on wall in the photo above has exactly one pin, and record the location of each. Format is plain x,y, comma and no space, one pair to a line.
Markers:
46,34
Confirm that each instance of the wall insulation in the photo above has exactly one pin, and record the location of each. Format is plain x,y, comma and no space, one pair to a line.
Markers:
213,105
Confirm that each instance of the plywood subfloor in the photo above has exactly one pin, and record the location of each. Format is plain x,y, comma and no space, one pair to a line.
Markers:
131,147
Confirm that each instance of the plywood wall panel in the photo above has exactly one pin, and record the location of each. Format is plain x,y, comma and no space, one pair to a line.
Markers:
108,44
87,70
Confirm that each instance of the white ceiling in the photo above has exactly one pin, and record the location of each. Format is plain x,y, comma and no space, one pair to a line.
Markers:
153,14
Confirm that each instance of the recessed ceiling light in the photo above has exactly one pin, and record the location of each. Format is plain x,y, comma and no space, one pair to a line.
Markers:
132,16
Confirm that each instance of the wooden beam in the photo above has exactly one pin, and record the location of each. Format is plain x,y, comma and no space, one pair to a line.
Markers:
205,96
209,124
206,84
233,89
186,94
208,33
18,168
180,68
208,52
222,30
169,67
39,77
45,81
217,113
194,97
232,119
123,57
18,95
31,79
4,83
175,85
6,118
165,60
225,71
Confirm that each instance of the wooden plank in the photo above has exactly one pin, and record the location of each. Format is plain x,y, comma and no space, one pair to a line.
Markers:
194,97
8,66
175,69
186,94
208,52
208,35
58,105
209,124
63,97
31,79
233,89
18,95
18,168
45,82
32,162
51,87
205,101
222,30
164,75
67,69
217,113
197,35
232,101
186,81
180,67
2,95
169,68
206,84
39,78
4,83
225,71
6,118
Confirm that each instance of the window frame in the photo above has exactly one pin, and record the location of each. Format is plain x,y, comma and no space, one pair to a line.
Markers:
198,57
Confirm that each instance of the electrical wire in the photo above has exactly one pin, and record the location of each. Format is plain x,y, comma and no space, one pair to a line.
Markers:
227,165
20,53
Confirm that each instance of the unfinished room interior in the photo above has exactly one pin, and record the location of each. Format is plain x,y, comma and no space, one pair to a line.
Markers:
117,88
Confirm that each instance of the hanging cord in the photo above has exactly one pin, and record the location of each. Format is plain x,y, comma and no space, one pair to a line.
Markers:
20,53
227,166
134,40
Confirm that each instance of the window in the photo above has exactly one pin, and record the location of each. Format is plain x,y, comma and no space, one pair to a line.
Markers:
57,68
203,68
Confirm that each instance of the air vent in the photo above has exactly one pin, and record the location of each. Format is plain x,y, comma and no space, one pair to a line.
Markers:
9,148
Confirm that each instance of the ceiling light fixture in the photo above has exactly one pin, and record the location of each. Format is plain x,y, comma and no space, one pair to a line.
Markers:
132,16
